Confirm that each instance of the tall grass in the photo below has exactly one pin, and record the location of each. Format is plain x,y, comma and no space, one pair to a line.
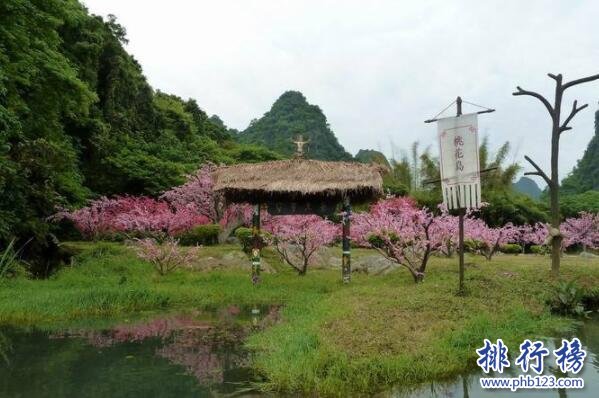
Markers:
9,261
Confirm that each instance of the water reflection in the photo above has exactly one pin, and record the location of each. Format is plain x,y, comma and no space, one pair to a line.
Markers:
177,355
468,385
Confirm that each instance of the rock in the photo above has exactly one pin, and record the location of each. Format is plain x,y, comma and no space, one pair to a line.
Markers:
232,240
326,257
235,255
588,255
373,265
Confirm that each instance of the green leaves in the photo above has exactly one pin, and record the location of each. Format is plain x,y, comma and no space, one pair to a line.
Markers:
585,176
78,118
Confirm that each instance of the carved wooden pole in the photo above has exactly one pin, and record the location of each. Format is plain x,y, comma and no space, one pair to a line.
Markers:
461,212
256,245
346,255
557,128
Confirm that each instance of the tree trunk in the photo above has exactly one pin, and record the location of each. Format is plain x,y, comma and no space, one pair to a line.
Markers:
556,242
302,271
424,262
557,129
229,228
418,276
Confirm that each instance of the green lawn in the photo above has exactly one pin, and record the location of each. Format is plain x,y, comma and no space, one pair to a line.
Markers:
333,338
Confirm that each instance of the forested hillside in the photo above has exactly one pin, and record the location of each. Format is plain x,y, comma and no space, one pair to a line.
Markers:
78,118
372,156
527,186
585,176
289,116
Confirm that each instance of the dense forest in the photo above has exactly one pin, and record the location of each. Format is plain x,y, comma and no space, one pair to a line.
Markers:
580,190
585,176
290,116
78,118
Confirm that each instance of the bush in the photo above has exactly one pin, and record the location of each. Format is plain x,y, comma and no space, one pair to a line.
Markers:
567,299
246,239
376,241
165,256
504,207
395,188
201,235
571,205
472,246
510,248
9,263
244,235
539,249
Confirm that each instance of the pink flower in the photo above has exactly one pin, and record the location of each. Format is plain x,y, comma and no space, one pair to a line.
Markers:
164,257
126,214
298,237
582,230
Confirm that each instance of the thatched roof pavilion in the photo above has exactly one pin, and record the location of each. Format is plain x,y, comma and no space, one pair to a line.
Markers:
288,180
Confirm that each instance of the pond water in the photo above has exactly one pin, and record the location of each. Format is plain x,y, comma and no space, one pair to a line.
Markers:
179,355
468,385
194,355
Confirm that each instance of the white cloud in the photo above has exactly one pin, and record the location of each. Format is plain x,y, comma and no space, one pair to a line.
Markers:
377,69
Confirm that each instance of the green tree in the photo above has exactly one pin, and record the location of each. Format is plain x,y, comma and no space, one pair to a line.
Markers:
573,204
78,119
39,89
585,176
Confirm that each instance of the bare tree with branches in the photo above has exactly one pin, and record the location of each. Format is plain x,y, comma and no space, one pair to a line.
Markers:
558,127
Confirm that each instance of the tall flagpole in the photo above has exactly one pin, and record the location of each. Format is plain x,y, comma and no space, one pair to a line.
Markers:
461,206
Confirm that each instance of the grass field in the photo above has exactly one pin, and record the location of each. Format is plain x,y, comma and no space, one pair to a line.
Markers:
333,338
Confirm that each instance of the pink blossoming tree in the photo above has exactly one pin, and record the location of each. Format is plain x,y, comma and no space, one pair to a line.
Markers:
532,235
445,231
176,211
403,233
297,237
198,191
582,230
165,256
131,214
489,239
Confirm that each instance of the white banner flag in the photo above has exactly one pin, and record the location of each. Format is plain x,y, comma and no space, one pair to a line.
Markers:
460,167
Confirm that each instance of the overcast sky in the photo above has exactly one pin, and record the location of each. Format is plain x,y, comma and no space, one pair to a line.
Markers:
376,68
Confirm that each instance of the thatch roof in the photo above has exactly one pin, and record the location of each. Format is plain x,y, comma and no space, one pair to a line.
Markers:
298,179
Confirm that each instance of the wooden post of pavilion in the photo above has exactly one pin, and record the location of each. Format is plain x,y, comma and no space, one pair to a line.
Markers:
256,245
346,254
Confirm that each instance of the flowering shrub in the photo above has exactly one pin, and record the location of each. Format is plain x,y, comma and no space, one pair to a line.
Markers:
143,215
582,230
489,239
404,233
532,234
445,231
164,257
176,211
197,191
297,237
408,235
